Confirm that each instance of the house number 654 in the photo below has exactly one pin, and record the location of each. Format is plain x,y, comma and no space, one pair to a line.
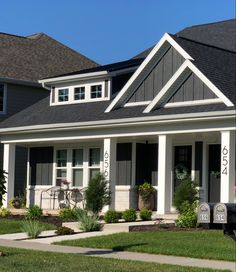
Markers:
225,160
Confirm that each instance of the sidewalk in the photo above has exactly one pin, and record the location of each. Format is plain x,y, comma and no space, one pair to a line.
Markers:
106,253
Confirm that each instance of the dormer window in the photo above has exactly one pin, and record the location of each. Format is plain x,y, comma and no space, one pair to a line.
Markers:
79,93
63,95
96,91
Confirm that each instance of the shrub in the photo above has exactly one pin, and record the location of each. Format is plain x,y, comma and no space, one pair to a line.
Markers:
67,214
32,227
89,222
188,216
64,231
111,216
145,214
34,213
186,191
4,212
2,186
97,194
129,215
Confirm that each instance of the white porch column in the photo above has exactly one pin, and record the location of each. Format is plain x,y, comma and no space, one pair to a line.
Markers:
9,167
109,162
227,166
164,174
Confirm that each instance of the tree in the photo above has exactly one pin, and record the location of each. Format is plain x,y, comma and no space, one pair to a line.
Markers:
2,186
97,194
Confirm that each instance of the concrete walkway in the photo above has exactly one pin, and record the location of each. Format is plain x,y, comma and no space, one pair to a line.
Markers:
106,253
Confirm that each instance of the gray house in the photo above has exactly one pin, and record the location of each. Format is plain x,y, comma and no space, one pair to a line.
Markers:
23,61
170,109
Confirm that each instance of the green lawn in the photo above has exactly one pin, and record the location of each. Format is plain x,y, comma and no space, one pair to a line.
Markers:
18,260
14,226
196,244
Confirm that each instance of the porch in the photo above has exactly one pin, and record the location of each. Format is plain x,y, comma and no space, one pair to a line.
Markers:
126,162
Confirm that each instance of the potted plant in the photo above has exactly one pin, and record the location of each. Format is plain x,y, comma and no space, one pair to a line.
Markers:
146,196
15,202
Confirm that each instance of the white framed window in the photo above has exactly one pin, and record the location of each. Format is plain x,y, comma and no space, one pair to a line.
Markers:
96,91
63,95
89,92
79,93
3,99
94,161
61,166
77,165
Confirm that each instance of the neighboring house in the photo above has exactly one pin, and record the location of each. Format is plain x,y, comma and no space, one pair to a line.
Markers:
169,109
23,61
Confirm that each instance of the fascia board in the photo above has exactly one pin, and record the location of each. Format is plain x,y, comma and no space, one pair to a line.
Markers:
171,41
72,77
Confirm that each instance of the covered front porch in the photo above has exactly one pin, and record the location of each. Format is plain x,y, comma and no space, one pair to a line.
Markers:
127,161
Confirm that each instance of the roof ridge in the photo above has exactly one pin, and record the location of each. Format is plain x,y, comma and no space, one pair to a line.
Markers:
213,23
13,35
205,44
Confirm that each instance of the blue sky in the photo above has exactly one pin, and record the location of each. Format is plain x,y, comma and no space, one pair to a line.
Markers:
109,30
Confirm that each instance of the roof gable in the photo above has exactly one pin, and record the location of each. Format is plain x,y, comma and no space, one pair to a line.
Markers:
181,77
144,69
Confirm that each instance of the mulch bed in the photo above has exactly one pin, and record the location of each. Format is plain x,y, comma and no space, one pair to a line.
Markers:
55,220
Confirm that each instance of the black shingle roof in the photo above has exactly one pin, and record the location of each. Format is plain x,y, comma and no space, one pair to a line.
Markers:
41,113
218,65
219,34
108,67
34,57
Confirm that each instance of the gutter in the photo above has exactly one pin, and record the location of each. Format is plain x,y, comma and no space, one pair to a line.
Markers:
219,115
20,82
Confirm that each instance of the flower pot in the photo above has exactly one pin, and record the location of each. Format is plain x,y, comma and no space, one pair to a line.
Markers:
17,204
148,204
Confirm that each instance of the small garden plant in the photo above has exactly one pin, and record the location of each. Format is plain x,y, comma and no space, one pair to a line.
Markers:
89,222
129,215
111,216
145,214
64,231
34,213
185,201
2,186
97,194
4,212
32,227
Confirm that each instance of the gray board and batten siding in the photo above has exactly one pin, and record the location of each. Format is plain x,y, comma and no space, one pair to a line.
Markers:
158,77
192,89
41,165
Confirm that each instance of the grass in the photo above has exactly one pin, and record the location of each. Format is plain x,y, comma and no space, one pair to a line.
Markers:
14,226
196,244
19,260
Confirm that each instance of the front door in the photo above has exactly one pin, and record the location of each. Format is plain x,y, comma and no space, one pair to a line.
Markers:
182,163
214,173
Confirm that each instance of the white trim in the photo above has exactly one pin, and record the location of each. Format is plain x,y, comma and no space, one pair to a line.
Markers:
61,79
124,122
210,85
134,104
193,103
165,38
158,100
